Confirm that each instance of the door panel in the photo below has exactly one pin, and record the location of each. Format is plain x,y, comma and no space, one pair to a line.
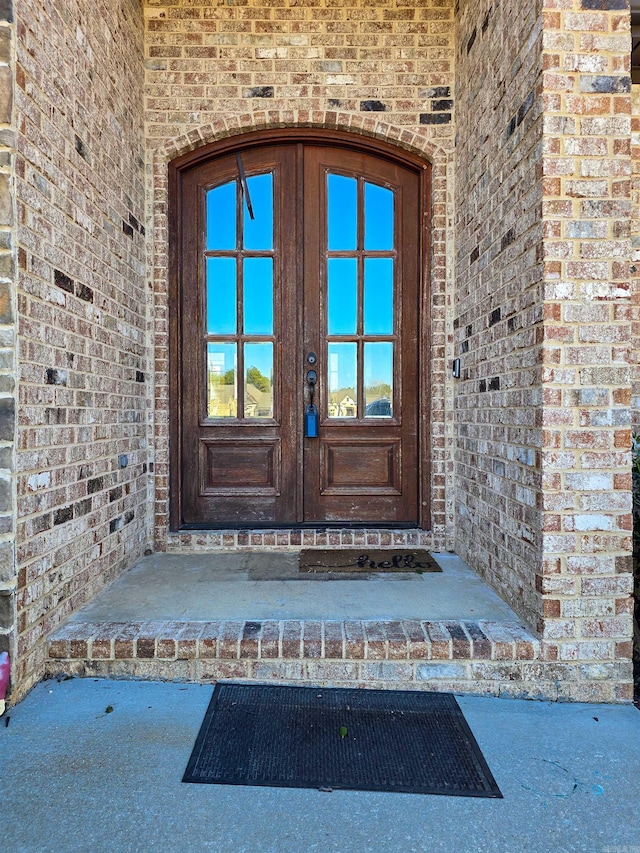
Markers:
296,258
361,309
240,409
252,466
370,465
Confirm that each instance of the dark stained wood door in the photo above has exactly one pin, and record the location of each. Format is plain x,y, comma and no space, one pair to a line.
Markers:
299,262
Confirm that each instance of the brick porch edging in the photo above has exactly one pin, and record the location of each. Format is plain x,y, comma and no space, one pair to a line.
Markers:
496,658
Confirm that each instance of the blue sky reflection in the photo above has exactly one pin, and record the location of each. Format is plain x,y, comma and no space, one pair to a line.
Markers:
258,232
343,296
221,296
258,296
378,218
221,217
342,213
378,296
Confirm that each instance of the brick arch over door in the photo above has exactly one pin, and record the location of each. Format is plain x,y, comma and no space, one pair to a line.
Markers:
356,128
353,123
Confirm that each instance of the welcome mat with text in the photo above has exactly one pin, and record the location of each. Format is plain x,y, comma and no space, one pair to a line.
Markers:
368,740
363,560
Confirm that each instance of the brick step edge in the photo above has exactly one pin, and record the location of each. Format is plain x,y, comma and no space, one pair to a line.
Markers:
489,658
293,640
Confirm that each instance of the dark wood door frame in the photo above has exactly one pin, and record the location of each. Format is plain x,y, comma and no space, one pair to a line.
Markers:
177,170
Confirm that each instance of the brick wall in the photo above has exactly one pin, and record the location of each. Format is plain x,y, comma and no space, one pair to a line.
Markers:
544,323
498,315
383,69
7,336
84,367
635,255
586,576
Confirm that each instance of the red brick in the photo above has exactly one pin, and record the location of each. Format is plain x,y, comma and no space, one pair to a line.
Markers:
291,639
440,639
270,640
250,640
396,639
208,641
312,639
333,640
417,643
354,640
229,640
376,648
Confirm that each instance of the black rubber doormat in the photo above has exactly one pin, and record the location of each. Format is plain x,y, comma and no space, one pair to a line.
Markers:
385,560
365,740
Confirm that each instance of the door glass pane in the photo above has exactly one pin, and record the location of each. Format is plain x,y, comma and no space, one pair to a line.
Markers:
343,296
378,380
258,380
258,232
221,381
258,296
342,213
221,217
378,296
378,218
221,296
343,380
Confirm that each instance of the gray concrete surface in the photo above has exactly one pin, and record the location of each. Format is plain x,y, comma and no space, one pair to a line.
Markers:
74,779
268,585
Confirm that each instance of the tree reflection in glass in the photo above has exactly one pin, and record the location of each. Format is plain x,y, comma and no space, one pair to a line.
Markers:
258,380
222,388
343,373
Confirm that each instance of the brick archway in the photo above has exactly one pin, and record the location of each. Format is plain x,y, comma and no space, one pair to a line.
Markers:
363,125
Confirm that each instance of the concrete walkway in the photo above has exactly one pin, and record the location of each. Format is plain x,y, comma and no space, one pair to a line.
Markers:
75,779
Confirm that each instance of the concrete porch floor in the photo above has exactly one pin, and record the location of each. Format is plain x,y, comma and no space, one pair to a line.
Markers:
254,617
260,586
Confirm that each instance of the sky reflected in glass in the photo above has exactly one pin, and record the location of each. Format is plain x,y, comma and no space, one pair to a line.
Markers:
258,296
378,296
343,296
221,296
221,217
378,218
342,213
258,232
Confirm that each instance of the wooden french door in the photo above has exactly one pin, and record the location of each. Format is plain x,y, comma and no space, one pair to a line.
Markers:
298,373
